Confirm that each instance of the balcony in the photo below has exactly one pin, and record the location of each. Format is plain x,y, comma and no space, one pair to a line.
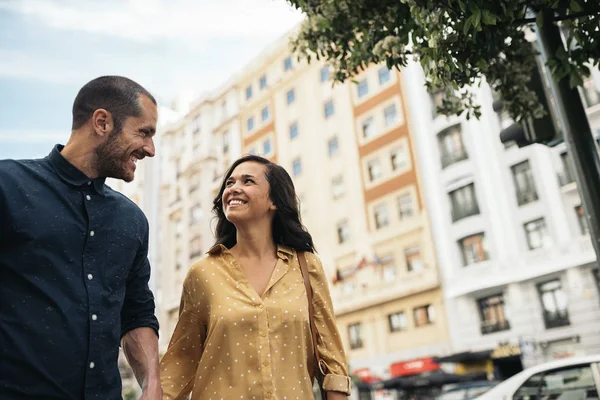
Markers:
451,157
488,327
556,319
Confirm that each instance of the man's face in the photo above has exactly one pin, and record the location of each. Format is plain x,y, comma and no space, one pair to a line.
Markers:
120,151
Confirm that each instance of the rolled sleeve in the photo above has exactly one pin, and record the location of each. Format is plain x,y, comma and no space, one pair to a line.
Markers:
329,346
138,307
337,383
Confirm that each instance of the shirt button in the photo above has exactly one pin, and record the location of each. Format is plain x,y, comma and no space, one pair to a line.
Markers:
90,277
88,197
268,395
265,363
92,365
94,317
263,334
261,306
91,233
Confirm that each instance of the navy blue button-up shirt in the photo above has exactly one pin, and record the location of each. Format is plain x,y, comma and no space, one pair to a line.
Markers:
73,280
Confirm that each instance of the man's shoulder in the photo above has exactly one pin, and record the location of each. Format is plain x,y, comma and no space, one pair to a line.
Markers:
16,170
124,202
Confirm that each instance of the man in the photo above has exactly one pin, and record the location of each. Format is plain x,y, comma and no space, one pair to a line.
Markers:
73,256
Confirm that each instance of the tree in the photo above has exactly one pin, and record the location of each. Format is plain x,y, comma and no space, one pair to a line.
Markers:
457,42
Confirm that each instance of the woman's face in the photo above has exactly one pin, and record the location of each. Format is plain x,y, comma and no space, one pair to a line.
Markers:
246,194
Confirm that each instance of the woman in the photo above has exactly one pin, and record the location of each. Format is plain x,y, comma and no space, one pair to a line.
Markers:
244,328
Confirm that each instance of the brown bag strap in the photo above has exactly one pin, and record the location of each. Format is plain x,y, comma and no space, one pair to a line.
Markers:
311,310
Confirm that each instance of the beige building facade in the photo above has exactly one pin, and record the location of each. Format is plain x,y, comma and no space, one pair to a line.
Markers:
350,153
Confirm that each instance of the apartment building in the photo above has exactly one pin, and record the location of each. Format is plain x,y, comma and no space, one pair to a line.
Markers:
350,153
519,271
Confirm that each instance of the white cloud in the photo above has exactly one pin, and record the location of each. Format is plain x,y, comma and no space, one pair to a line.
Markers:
148,20
25,136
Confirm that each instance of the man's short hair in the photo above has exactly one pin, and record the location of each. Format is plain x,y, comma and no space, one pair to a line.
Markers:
116,94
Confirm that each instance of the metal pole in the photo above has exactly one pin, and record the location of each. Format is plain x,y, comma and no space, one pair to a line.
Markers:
577,134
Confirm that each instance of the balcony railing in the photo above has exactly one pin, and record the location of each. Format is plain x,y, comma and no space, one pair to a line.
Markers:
463,212
494,326
451,157
555,319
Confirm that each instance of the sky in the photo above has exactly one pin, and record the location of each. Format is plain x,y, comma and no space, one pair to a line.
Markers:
50,48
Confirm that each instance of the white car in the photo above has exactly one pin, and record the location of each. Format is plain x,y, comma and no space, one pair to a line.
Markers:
576,378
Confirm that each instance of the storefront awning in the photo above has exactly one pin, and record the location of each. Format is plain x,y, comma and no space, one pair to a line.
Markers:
465,356
435,379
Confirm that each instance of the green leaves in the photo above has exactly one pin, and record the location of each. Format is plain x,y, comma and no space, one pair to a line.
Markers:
457,43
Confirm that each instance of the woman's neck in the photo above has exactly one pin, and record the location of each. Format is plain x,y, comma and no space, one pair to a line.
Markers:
255,242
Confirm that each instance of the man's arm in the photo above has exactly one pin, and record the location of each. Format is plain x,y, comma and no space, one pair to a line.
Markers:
139,326
140,346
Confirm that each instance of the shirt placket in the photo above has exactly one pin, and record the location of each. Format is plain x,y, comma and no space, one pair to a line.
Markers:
92,259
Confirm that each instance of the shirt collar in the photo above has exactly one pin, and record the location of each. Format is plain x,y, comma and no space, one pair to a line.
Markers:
283,252
69,173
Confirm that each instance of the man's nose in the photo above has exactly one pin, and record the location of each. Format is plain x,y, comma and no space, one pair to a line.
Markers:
149,148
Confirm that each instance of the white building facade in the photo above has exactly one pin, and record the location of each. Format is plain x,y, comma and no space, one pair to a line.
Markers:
517,264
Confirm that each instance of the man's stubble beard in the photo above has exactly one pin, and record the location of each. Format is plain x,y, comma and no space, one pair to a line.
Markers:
111,160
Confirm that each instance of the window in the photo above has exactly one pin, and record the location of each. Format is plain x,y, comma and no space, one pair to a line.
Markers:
397,322
354,333
291,96
368,127
267,147
452,149
583,224
248,92
250,124
329,108
381,216
196,125
390,115
398,158
195,246
225,141
264,114
343,232
554,304
196,214
263,82
194,182
363,88
473,249
424,315
224,111
537,236
566,176
388,267
324,74
333,146
384,75
374,170
464,202
337,187
414,262
523,178
405,206
287,63
437,99
297,167
573,382
294,130
491,312
591,94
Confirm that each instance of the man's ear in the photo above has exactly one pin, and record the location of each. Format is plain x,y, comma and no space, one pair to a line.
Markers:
102,122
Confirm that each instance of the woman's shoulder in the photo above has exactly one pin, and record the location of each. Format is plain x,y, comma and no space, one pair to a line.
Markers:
201,265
